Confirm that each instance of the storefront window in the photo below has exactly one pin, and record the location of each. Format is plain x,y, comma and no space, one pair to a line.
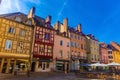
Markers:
40,65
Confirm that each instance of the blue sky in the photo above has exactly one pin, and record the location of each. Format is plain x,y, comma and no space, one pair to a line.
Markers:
99,17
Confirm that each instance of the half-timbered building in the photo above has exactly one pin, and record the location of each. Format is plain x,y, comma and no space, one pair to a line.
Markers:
16,33
43,45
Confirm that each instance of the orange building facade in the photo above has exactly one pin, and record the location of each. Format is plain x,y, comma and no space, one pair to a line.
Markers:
77,48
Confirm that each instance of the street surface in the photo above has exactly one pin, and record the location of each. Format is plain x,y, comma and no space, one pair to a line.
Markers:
44,76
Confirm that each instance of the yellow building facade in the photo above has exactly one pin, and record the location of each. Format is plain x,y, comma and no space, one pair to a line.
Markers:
116,56
116,52
92,49
15,42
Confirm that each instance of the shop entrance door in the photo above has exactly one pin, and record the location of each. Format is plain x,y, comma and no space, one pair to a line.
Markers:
43,66
33,67
4,67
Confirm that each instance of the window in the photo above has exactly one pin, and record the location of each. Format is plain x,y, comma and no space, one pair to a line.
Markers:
75,44
11,30
37,36
22,32
81,38
109,52
47,36
41,48
18,19
67,44
20,47
61,43
78,45
47,25
84,46
78,37
61,53
72,44
8,44
49,49
110,57
81,46
28,22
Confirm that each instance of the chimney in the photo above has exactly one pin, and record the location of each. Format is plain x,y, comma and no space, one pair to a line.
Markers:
31,13
48,19
79,28
57,26
65,24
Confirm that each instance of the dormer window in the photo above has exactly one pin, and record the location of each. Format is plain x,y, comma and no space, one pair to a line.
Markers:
18,19
47,25
29,22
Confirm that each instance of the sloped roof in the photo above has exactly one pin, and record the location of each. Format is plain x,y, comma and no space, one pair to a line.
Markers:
91,36
38,20
111,47
12,16
71,29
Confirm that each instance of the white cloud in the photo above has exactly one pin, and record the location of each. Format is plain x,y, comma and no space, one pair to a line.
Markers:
33,1
17,4
5,6
9,6
61,10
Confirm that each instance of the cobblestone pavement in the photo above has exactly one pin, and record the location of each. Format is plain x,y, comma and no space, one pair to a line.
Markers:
43,76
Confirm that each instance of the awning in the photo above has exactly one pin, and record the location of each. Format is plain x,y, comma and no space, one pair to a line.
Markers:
45,60
23,60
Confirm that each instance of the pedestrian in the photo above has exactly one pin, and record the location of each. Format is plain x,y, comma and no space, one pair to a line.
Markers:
90,69
15,70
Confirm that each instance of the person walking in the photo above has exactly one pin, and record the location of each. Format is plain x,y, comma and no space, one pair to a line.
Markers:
15,70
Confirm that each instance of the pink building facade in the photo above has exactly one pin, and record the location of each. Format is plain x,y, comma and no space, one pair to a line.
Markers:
61,53
103,53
